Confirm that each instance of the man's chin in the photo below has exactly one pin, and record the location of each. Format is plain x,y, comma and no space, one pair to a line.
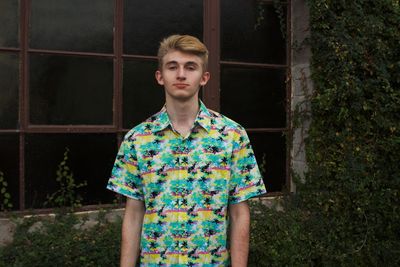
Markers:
183,97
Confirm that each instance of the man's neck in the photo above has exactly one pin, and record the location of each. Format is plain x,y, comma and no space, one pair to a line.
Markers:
182,114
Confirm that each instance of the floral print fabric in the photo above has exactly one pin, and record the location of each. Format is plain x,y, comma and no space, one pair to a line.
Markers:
186,185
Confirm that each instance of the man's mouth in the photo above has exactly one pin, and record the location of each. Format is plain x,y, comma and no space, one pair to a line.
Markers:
181,85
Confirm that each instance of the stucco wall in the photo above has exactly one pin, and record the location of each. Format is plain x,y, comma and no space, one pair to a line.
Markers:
301,83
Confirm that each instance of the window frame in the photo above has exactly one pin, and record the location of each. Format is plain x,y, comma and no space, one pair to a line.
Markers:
210,93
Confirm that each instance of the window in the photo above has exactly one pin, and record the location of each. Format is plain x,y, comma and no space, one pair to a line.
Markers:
78,74
253,71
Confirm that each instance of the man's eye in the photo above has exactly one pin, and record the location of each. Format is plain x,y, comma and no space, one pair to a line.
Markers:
172,67
191,67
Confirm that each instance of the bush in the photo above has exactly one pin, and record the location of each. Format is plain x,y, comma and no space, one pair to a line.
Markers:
278,238
61,242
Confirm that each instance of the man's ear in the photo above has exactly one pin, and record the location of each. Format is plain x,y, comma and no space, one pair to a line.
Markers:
159,77
204,78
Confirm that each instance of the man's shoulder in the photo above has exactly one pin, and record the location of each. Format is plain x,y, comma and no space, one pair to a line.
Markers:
221,121
143,128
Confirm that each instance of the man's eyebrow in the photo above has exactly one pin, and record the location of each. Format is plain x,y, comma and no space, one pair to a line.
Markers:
171,62
192,63
186,63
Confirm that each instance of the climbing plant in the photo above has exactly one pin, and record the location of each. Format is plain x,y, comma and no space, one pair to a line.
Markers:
352,189
66,195
5,200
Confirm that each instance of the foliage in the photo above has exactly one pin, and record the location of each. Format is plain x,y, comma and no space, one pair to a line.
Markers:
66,195
5,203
65,241
61,242
278,238
346,209
352,187
279,10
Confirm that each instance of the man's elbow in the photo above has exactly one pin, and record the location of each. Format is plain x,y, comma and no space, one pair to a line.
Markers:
240,212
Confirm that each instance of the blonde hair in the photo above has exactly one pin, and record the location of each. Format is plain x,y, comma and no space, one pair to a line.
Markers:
183,43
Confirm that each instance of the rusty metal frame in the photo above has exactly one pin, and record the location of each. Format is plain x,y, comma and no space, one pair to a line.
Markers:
211,32
23,96
289,130
211,92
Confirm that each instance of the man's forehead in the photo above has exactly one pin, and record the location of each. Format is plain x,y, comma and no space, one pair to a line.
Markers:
178,57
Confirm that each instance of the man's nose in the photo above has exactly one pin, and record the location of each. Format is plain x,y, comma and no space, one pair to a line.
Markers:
181,75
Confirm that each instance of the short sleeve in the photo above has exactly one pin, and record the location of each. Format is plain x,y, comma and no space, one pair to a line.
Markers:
125,176
246,180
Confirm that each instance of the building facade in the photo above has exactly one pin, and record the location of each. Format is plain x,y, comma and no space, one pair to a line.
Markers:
76,75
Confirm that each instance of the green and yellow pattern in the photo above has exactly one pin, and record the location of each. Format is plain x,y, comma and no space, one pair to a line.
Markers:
187,185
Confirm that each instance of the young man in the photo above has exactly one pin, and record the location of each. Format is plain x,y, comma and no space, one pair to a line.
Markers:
186,172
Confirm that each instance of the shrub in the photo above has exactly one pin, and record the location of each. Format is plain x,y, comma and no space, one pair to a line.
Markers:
278,238
61,242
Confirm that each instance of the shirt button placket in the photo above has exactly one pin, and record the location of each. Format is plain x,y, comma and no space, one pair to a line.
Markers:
180,165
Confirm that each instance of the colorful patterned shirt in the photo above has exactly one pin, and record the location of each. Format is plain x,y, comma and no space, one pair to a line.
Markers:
186,185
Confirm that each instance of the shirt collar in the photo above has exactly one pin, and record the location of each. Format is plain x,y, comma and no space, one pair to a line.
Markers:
161,119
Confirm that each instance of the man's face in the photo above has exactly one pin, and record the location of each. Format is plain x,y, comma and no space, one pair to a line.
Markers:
181,75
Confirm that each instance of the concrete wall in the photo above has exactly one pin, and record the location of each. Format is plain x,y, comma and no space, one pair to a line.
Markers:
301,84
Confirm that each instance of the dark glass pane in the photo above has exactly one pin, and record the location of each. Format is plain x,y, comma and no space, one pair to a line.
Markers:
147,22
70,90
9,158
9,15
251,32
254,97
270,151
9,80
73,25
142,95
90,159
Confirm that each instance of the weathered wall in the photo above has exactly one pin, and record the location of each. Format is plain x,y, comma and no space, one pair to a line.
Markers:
301,83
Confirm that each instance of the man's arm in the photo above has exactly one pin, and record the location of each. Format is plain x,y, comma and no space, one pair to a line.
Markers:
239,215
131,231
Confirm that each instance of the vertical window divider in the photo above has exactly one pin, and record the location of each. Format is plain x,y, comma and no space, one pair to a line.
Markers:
211,34
23,95
118,68
289,127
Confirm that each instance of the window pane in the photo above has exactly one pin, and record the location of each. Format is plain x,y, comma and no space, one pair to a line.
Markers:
270,151
142,95
70,90
9,80
251,32
73,25
254,97
90,159
9,15
9,158
146,22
